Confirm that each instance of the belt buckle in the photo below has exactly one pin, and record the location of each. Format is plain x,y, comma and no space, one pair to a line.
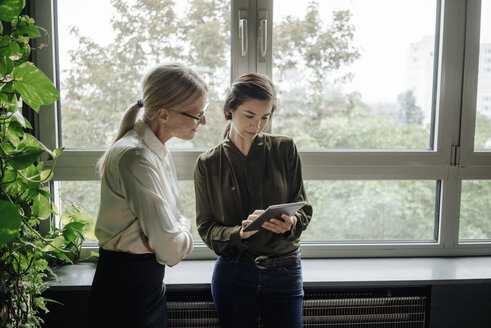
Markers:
260,258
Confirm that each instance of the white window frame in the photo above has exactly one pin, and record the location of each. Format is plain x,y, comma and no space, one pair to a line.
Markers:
452,160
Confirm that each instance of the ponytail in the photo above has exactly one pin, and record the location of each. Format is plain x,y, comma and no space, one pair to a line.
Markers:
129,119
127,123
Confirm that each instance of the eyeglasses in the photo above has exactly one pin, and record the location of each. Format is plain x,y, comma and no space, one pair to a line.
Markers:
197,118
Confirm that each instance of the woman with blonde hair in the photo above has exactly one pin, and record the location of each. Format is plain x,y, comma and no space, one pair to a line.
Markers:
139,226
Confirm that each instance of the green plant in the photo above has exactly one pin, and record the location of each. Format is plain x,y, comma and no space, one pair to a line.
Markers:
26,256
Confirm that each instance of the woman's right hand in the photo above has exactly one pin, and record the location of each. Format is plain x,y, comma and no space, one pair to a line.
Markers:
245,223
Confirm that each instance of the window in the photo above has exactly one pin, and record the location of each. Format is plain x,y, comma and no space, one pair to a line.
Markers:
482,138
101,65
96,85
385,99
84,195
347,79
367,211
475,210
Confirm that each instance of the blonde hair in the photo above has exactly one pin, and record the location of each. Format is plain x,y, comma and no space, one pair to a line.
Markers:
172,86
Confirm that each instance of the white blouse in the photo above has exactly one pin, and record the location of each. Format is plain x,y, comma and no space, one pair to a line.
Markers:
139,192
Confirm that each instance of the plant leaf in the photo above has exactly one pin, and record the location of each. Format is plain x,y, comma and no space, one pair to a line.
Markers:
82,217
7,87
15,128
9,175
39,302
4,99
9,9
74,226
10,221
58,151
73,230
57,242
29,30
30,140
14,51
52,301
69,235
9,147
6,65
63,256
4,41
45,193
22,159
34,86
41,207
46,175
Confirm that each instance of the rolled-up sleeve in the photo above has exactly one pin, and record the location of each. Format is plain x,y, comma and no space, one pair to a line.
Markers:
147,192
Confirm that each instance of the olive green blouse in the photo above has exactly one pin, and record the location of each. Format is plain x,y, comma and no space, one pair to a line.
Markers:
229,186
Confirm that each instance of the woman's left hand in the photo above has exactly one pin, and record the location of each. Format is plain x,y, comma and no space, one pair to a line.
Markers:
280,226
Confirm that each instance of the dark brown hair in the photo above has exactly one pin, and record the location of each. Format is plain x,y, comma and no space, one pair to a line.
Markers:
247,86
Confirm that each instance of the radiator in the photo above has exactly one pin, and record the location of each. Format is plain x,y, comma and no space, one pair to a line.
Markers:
382,312
358,312
191,314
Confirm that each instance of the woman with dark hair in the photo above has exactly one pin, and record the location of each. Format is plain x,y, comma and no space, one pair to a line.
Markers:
258,274
140,226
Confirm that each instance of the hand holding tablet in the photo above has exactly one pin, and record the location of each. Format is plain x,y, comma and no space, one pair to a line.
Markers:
274,211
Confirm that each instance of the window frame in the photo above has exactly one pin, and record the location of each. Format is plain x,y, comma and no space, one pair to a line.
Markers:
452,160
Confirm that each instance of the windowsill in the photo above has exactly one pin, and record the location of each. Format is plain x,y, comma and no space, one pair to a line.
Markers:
366,272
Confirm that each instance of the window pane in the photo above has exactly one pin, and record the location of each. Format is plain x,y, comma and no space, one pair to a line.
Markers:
372,210
475,210
355,74
104,52
189,205
86,195
483,115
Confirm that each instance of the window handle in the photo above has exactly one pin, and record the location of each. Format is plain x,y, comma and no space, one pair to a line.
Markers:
243,36
263,36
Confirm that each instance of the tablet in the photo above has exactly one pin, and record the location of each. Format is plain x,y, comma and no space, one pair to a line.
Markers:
274,211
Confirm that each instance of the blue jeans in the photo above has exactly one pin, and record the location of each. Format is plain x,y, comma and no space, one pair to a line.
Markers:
243,293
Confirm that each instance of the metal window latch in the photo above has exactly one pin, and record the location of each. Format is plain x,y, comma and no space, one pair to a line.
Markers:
263,32
244,42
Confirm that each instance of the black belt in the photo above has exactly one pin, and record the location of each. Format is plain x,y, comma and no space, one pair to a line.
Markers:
271,261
